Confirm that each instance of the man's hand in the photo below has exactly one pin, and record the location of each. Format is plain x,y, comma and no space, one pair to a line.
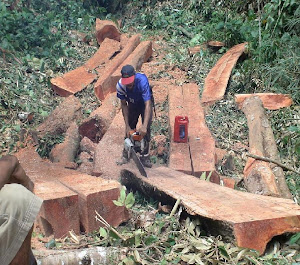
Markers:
127,132
143,131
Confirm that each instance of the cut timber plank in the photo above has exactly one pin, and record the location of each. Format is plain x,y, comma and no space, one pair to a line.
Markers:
59,213
179,152
104,84
73,81
96,194
107,49
140,55
201,142
270,101
77,79
243,215
216,81
109,150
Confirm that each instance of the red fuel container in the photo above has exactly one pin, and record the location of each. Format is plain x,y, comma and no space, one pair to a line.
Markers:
181,129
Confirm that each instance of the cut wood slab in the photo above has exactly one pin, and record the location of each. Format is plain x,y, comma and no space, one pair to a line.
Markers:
140,55
198,154
179,152
251,219
65,152
104,85
270,101
216,81
201,142
77,79
92,194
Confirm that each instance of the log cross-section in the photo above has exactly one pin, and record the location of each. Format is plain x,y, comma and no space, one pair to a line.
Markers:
251,219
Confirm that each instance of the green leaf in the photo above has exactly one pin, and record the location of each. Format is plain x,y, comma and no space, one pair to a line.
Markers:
129,201
102,232
150,239
203,176
294,129
118,203
51,244
295,238
220,25
223,251
17,128
122,195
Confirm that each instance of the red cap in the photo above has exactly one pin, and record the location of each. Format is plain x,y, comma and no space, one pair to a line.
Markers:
128,74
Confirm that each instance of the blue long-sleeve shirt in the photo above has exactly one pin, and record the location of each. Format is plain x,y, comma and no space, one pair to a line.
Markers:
139,94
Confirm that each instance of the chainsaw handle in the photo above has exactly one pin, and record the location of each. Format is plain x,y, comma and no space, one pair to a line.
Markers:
136,136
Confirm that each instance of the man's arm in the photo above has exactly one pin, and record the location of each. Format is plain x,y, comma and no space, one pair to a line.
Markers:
148,109
12,172
124,107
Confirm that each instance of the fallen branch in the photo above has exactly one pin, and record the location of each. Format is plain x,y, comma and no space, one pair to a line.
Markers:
185,32
108,226
273,161
175,207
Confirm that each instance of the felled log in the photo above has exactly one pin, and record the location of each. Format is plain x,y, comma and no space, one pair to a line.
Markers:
96,125
106,29
260,176
250,219
270,101
94,255
216,81
65,153
61,118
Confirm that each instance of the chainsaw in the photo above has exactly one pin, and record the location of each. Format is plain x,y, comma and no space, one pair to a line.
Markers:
133,145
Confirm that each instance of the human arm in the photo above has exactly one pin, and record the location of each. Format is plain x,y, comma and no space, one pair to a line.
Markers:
148,109
12,172
124,108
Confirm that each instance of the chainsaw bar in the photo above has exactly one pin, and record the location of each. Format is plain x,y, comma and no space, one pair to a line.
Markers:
138,163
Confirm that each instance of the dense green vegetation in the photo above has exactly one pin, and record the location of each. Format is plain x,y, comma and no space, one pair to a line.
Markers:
40,39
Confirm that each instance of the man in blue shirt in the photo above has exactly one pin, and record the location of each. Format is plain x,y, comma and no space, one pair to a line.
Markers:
134,91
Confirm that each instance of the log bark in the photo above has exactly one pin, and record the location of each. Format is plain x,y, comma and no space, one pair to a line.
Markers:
258,177
61,118
94,255
96,125
66,152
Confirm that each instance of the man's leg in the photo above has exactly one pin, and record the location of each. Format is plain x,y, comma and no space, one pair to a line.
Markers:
25,256
145,156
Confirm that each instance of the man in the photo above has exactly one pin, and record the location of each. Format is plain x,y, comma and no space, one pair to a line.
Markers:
136,100
18,210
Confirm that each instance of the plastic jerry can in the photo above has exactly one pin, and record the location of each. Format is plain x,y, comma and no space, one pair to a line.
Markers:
181,129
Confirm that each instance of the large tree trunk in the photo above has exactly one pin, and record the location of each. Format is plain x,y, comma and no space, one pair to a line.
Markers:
262,177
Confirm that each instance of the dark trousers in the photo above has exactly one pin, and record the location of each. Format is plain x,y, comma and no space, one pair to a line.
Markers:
134,112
